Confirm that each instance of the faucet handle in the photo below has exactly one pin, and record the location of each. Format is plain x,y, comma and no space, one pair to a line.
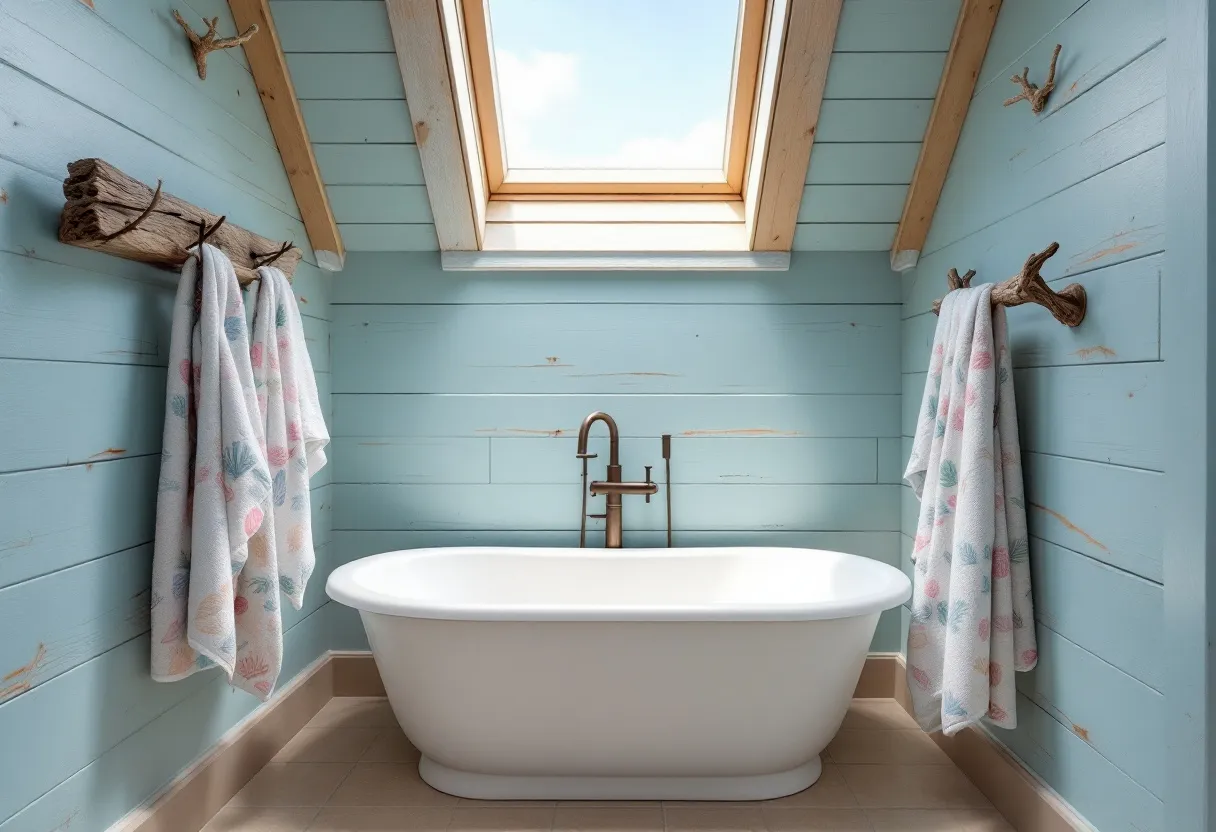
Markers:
585,456
648,467
597,516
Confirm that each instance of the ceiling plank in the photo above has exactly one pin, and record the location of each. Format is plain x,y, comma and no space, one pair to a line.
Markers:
269,67
972,31
418,34
809,34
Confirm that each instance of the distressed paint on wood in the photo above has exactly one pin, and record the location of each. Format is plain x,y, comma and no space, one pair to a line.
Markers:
477,415
730,461
556,507
1109,513
1011,164
1130,640
179,720
1130,225
1061,683
654,349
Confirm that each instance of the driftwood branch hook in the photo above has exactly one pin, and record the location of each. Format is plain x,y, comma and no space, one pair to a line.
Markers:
1028,286
203,45
1037,96
266,259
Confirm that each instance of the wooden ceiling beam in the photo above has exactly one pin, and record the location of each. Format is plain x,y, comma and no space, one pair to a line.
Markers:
442,128
972,31
810,33
269,67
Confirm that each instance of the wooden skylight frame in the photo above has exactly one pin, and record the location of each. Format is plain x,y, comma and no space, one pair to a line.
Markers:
774,102
727,181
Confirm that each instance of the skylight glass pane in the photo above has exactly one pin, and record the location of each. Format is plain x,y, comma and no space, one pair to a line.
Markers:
614,84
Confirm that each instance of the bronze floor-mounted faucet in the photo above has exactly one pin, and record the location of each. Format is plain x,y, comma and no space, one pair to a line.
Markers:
612,488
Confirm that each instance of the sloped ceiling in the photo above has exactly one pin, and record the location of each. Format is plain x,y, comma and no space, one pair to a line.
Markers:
882,80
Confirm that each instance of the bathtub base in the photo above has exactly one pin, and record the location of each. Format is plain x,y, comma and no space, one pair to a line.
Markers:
557,787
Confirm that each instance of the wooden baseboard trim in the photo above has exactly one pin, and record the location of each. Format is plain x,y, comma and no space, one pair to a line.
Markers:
1028,803
198,793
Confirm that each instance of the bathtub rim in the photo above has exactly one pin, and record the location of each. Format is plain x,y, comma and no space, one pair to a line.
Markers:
896,589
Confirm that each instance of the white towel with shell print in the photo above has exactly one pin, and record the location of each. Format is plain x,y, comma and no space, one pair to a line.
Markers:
972,616
215,487
296,437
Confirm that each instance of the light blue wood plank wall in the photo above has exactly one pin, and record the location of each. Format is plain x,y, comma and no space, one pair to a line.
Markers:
1089,173
885,68
83,353
458,397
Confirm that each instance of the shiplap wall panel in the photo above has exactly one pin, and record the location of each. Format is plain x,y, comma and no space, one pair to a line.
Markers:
727,460
1109,125
1090,174
85,64
1131,639
389,237
654,349
481,415
843,236
1060,685
361,75
852,203
332,26
896,25
387,507
357,122
131,770
884,75
873,163
1112,217
369,164
83,348
397,204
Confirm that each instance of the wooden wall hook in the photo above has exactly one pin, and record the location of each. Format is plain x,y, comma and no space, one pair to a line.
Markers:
203,45
1037,96
1028,286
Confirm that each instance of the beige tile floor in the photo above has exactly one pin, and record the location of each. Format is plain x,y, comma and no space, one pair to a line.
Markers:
352,770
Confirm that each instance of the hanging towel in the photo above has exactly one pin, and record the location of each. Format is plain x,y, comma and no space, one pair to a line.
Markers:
295,432
972,618
215,487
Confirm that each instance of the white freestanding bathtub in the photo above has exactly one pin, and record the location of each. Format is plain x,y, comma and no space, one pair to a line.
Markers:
695,674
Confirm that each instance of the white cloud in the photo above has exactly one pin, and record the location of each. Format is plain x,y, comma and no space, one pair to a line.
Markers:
533,88
530,88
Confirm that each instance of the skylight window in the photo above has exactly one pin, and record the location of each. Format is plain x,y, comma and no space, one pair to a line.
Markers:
641,96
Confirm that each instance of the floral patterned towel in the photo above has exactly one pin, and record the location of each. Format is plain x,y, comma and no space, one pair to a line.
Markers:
294,427
215,487
972,617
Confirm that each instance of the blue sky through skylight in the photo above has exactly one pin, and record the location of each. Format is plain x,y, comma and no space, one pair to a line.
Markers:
614,83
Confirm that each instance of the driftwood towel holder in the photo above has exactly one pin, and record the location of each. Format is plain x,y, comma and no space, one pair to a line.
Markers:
203,45
1036,95
108,211
1028,286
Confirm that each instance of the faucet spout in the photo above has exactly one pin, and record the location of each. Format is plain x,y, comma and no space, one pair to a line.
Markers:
614,439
